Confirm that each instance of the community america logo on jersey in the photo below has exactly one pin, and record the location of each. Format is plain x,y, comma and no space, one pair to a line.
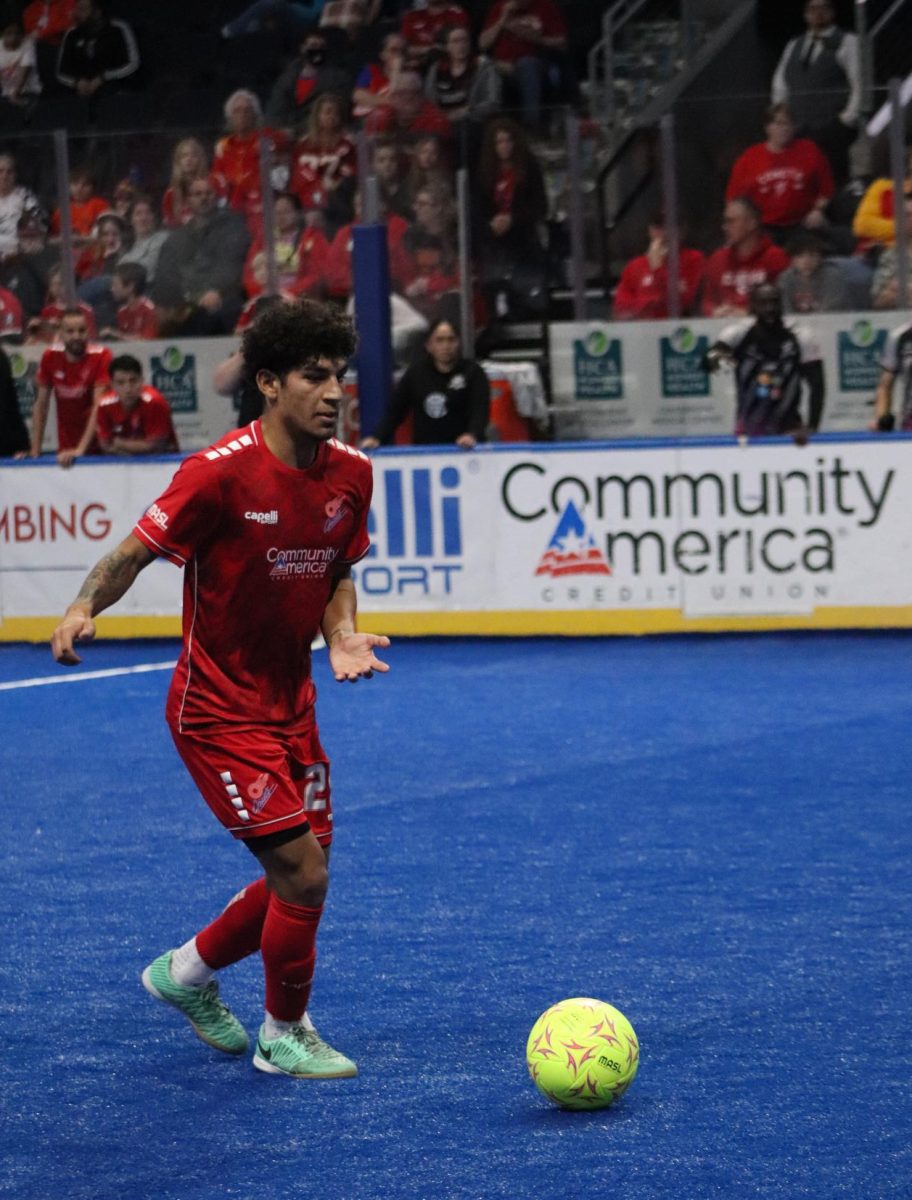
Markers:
310,561
572,550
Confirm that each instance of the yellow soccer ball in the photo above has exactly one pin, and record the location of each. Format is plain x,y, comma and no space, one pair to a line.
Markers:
582,1053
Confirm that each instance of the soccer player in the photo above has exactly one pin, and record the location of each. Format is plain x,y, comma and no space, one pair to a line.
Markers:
278,510
77,374
133,418
771,360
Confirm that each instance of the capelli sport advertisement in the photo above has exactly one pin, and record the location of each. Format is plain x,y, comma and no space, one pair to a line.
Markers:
597,539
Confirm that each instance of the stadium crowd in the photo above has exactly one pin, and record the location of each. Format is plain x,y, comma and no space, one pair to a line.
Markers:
179,247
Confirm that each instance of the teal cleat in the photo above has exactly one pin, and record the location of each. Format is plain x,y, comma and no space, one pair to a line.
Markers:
303,1054
212,1020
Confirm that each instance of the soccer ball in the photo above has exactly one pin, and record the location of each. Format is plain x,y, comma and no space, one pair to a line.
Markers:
582,1053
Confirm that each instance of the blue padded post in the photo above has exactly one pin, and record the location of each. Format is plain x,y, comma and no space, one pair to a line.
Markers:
372,316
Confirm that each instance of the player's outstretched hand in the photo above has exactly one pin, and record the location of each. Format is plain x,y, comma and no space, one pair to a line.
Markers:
75,627
351,656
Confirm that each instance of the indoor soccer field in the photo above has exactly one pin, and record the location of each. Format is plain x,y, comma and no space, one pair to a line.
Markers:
712,834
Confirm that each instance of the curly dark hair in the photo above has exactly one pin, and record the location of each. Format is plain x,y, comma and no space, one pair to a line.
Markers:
291,334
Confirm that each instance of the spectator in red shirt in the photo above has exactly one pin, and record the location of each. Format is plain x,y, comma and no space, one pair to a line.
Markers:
134,418
325,163
85,206
407,112
77,375
47,325
188,163
236,160
423,26
48,20
748,258
136,318
102,252
300,254
788,178
642,293
337,271
527,39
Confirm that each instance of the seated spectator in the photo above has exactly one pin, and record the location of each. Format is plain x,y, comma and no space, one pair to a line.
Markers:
407,112
747,259
25,273
423,26
787,178
526,39
148,239
464,86
14,438
387,166
874,221
305,79
447,396
300,254
429,167
46,328
510,209
813,282
48,20
237,155
642,292
20,84
427,271
85,206
198,282
102,253
12,324
122,199
188,163
15,202
885,284
337,271
133,417
98,52
372,83
136,317
325,163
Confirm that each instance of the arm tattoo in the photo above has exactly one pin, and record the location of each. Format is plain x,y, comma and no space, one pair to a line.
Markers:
108,580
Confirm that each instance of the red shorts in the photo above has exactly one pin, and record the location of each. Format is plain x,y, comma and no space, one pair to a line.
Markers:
260,781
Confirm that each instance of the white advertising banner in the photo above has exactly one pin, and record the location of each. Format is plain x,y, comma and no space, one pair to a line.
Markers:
594,539
644,378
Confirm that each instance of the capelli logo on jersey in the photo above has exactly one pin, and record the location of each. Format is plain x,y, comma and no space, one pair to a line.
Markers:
263,518
158,515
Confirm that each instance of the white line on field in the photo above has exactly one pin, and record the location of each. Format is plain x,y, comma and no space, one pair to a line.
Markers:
81,676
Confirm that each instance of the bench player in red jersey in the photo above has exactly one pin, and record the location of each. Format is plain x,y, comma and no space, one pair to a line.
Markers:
278,510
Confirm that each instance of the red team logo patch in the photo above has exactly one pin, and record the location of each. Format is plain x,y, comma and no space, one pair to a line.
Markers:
260,791
335,510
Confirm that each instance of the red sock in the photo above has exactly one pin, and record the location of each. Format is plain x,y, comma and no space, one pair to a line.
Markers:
236,932
288,946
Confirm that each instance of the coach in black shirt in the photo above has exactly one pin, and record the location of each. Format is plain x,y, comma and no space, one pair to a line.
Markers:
447,396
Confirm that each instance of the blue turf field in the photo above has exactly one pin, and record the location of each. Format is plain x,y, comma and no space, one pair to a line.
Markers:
712,834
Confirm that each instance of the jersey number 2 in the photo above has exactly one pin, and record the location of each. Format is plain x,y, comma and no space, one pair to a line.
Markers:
316,787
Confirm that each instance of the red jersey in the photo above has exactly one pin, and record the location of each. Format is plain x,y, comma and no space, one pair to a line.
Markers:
73,382
642,293
730,277
237,161
784,184
422,27
428,119
337,261
315,165
150,418
10,314
82,216
138,319
542,16
260,542
54,314
48,20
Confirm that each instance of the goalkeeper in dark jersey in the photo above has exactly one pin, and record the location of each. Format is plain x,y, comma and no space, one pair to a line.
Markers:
774,364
